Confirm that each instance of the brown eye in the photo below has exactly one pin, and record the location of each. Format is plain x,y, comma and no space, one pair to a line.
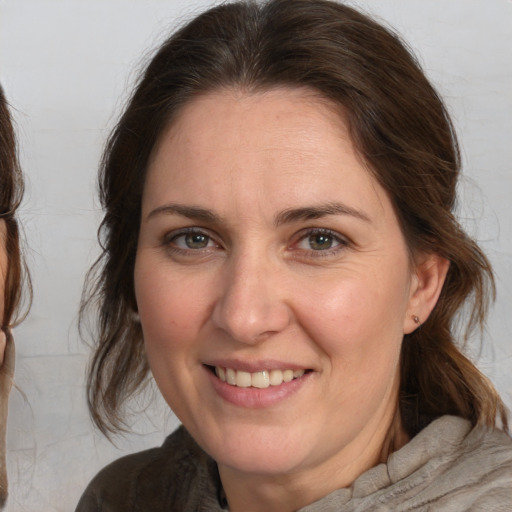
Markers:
321,241
192,240
196,240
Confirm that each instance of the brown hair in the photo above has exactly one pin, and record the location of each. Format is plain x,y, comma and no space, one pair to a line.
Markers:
399,126
11,193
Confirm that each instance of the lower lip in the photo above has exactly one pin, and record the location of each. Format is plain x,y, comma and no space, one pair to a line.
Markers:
256,398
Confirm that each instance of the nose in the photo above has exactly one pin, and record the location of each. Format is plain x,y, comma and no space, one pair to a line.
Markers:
251,305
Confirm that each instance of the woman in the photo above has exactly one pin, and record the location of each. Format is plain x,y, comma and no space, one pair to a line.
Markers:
280,252
11,191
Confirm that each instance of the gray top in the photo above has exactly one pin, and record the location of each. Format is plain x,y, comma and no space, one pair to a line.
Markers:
447,467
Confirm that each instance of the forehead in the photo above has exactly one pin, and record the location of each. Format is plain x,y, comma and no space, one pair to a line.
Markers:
282,145
289,110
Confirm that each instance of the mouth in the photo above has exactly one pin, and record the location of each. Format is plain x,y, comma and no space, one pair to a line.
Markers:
261,379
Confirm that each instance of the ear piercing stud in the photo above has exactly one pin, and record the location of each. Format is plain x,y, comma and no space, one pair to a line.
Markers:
416,319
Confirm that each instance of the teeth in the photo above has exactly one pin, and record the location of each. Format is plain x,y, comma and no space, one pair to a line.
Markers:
276,377
288,375
243,379
231,376
261,380
220,373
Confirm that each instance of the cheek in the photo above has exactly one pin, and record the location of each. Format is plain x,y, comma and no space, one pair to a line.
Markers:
359,333
358,322
171,315
172,309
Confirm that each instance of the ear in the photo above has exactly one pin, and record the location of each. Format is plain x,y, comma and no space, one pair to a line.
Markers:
427,282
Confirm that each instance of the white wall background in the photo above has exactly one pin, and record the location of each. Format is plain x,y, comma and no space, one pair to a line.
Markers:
66,66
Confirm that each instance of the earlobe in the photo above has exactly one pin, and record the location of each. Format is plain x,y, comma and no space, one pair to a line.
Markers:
427,283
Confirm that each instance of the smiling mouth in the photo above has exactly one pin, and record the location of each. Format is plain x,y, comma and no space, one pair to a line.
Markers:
261,380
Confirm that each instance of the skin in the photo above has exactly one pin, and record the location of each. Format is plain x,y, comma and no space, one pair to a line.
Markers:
6,367
261,288
3,274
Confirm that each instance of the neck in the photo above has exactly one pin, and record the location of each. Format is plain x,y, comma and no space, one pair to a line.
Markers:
395,439
249,492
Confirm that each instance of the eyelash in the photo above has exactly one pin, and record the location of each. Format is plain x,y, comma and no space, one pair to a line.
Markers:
311,253
169,242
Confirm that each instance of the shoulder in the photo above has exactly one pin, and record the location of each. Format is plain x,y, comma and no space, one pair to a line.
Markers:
485,469
470,469
449,466
154,479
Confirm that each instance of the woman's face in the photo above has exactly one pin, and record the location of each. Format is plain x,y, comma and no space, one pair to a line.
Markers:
268,252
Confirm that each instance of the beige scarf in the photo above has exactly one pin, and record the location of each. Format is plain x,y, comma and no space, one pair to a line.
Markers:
6,382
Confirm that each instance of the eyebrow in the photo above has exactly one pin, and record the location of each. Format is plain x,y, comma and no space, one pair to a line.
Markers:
285,217
318,211
191,212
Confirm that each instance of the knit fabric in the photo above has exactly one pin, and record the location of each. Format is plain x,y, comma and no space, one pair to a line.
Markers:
447,467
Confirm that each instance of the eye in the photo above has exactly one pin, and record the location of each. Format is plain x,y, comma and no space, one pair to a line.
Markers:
319,241
194,240
189,240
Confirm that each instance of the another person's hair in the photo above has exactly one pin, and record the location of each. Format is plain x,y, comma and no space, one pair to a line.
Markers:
399,126
11,193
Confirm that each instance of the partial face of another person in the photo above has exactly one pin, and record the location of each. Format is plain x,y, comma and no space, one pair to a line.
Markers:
6,370
273,283
3,275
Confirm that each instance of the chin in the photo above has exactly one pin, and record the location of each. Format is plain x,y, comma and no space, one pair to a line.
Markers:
252,462
260,452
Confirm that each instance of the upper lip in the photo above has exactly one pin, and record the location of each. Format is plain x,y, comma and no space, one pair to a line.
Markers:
255,366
